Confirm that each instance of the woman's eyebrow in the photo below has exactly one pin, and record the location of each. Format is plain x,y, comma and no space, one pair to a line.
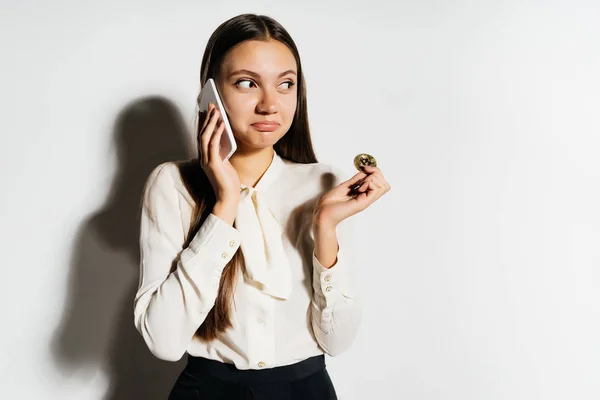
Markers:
254,74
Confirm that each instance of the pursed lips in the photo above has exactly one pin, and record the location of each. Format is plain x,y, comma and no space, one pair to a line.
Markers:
265,125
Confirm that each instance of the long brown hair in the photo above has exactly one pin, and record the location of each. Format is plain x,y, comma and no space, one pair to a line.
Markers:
295,145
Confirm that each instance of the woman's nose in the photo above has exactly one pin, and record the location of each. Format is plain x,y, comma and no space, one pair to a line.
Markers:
268,102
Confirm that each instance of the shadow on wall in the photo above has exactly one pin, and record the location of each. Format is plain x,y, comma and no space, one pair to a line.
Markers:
97,331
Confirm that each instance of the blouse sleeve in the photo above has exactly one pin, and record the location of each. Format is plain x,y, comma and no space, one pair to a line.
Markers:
335,307
170,306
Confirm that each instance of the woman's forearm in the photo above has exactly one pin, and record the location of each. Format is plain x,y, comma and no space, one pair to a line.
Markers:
326,243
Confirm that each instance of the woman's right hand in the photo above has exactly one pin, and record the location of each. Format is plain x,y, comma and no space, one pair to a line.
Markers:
221,174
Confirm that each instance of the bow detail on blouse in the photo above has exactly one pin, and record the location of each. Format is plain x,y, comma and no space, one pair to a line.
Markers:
262,245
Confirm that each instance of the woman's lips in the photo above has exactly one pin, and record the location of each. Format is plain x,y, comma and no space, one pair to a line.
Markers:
265,126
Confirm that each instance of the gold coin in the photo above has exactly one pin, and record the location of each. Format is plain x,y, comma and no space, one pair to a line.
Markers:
364,159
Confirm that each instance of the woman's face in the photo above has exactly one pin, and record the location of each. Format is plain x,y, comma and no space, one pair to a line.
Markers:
257,83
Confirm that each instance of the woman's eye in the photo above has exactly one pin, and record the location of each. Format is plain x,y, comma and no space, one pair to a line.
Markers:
239,83
247,84
289,83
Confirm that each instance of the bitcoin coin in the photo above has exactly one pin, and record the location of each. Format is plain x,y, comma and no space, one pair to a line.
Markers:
364,159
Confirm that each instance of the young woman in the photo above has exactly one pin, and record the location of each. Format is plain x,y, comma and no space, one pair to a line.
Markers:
241,266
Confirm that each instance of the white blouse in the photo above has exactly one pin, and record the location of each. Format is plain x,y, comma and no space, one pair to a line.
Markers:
287,306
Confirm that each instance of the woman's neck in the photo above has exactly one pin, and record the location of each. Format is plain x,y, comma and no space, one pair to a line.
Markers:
251,166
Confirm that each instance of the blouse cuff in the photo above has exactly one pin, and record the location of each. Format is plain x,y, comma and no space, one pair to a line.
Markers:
335,281
209,251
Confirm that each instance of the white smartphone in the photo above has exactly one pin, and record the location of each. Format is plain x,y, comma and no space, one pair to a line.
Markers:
209,94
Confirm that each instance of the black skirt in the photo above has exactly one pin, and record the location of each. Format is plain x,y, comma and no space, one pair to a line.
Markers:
204,379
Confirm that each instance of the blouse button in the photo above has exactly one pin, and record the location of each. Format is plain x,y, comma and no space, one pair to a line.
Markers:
261,364
232,243
224,255
328,289
328,278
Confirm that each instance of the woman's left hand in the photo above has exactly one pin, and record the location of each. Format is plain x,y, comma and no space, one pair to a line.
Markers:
342,201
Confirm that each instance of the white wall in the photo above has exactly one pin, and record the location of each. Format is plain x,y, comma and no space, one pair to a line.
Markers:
481,280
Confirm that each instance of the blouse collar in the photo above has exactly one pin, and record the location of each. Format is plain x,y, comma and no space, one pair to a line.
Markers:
270,175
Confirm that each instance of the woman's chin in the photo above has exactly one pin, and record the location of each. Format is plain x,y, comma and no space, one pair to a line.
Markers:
263,138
